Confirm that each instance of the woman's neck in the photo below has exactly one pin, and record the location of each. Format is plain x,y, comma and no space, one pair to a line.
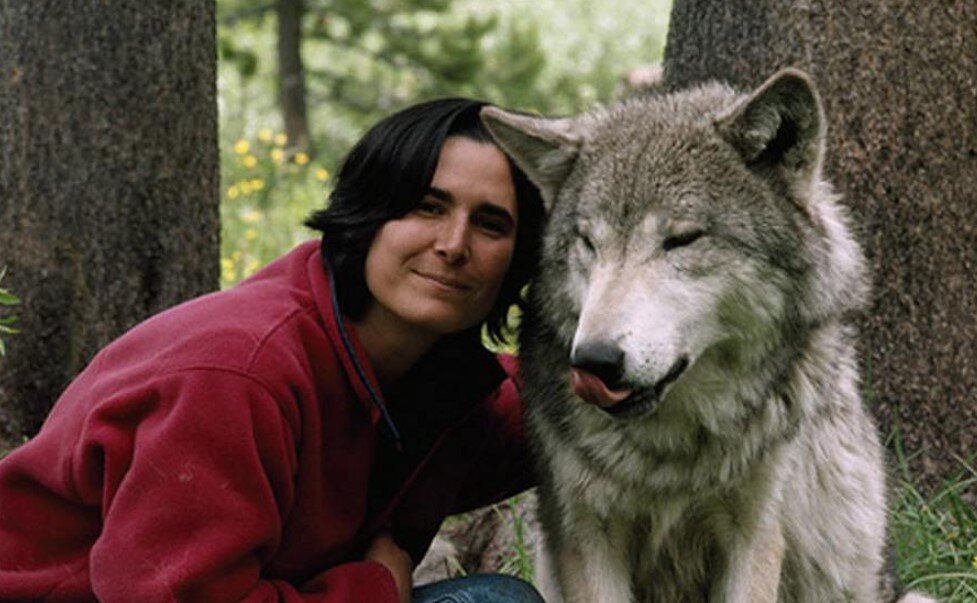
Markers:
391,346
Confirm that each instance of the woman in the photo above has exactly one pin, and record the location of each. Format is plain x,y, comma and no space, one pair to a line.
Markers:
300,436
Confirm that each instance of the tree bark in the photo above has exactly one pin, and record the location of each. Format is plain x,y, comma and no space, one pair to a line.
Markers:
291,75
109,179
899,81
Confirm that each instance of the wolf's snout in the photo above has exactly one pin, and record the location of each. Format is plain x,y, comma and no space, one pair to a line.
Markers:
597,372
602,359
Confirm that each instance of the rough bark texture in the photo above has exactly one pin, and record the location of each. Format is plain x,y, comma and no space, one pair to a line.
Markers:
291,75
109,179
899,81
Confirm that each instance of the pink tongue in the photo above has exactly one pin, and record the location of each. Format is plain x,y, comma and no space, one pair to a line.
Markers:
590,387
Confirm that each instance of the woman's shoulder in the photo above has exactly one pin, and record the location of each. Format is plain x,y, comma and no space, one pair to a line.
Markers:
273,313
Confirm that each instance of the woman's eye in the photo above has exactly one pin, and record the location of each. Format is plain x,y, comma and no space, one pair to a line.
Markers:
682,239
492,226
428,207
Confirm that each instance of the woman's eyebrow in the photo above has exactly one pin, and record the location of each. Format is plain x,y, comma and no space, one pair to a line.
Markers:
440,193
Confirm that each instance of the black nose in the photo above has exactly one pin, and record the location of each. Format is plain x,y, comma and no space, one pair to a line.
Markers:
601,358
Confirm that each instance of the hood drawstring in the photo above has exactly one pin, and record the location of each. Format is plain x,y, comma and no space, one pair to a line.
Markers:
391,429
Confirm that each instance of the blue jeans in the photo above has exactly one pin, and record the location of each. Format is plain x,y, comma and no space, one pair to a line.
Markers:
478,588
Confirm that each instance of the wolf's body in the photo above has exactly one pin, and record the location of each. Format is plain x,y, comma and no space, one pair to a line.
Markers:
691,379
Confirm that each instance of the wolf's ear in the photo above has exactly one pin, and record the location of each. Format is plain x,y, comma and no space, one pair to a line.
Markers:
781,124
544,148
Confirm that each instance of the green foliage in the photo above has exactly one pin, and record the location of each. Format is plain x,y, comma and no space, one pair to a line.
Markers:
936,540
521,561
7,299
935,537
260,176
515,68
244,59
586,46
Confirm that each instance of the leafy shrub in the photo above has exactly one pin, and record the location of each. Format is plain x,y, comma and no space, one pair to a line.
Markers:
269,193
7,299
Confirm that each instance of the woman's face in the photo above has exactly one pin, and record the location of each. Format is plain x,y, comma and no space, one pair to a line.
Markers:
439,268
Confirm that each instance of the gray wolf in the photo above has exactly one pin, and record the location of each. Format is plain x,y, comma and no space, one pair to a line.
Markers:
691,382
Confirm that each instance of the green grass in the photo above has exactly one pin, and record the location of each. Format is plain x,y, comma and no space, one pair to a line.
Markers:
521,561
935,536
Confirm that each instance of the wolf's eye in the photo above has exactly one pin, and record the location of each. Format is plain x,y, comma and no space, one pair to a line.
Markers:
682,239
587,244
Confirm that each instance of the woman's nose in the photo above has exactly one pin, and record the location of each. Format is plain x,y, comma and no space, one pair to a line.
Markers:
452,241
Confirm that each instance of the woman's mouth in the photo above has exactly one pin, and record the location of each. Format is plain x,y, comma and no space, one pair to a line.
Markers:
443,282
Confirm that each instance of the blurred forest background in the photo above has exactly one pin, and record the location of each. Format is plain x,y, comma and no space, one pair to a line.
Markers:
299,82
119,135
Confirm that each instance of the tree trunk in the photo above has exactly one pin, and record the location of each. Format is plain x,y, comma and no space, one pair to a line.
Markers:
899,81
109,179
291,75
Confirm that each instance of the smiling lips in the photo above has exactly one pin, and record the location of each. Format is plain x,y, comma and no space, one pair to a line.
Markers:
445,282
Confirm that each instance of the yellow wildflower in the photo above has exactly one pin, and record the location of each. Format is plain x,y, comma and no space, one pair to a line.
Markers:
974,562
250,161
257,184
241,147
265,135
228,271
250,234
277,156
236,255
251,217
281,139
301,158
252,267
322,174
246,188
233,192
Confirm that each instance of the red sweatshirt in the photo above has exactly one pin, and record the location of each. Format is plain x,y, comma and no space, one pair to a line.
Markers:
223,451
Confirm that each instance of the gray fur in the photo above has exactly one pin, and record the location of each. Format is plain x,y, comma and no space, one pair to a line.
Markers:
756,475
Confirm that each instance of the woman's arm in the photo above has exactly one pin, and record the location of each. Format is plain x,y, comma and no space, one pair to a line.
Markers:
183,492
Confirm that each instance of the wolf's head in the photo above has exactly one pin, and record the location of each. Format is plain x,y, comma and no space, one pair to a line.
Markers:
691,239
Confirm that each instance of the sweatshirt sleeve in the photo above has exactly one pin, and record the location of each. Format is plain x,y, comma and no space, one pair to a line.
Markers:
194,483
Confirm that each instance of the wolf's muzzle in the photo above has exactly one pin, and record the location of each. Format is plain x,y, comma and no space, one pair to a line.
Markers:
597,374
603,359
597,377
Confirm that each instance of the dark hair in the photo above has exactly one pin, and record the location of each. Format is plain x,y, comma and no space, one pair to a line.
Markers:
387,173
